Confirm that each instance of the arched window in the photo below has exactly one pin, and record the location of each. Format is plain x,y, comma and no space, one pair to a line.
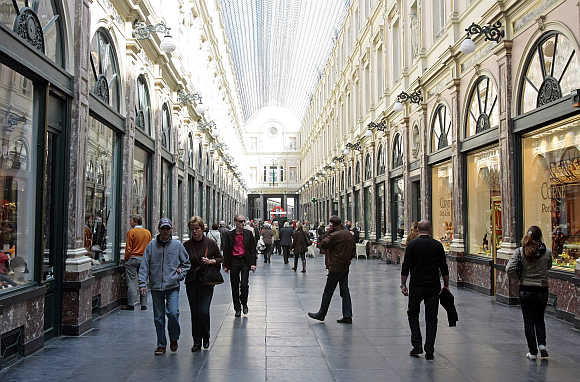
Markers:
190,156
483,108
342,180
207,166
166,127
104,81
199,157
349,181
550,71
380,161
357,173
368,167
397,151
143,106
441,133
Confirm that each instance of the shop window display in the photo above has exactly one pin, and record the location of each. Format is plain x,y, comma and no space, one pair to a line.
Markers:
398,208
166,188
551,189
17,180
484,202
442,203
100,195
140,187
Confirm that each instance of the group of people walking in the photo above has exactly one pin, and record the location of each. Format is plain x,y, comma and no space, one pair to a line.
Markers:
162,263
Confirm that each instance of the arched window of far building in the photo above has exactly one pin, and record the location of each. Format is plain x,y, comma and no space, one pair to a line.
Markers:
357,173
166,127
368,167
380,161
199,157
342,180
550,72
143,106
105,79
191,155
441,132
349,178
482,108
397,151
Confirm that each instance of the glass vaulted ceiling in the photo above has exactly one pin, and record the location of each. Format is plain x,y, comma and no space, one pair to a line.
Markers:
279,48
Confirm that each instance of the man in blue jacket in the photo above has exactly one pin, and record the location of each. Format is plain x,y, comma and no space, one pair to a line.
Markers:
165,264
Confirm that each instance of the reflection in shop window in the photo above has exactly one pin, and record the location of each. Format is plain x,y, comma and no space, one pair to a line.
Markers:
442,203
17,182
100,193
484,201
551,189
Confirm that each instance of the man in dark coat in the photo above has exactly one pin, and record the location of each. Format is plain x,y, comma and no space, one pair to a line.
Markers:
424,258
286,240
239,257
339,244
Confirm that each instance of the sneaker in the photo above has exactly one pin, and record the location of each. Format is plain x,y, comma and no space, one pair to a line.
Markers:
173,346
543,351
238,313
316,316
196,348
531,356
345,320
415,352
143,307
245,309
160,350
429,357
206,343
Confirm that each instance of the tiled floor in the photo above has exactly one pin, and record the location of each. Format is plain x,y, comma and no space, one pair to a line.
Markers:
277,342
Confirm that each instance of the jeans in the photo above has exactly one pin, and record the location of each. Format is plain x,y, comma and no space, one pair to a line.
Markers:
166,303
131,272
533,302
302,255
267,253
333,279
239,275
430,296
199,297
286,253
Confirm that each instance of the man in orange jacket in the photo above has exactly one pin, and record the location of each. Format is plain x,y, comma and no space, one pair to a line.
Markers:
137,240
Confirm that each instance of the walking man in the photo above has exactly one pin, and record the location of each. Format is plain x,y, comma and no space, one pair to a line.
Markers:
137,240
339,244
239,258
165,265
424,258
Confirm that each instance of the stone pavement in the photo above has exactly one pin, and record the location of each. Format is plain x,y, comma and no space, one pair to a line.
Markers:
277,342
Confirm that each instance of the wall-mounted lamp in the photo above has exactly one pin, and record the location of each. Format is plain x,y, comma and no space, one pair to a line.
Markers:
339,159
185,98
207,126
491,33
372,126
414,97
143,32
351,146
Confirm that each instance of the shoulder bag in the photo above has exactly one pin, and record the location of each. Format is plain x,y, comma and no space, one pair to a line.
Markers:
211,275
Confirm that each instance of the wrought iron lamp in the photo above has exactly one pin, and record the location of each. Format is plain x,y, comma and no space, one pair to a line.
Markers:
414,97
491,33
185,98
207,126
351,146
372,126
143,32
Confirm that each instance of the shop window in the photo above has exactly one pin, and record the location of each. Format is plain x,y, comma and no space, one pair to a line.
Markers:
551,189
166,128
357,173
380,217
551,72
100,195
166,188
398,208
484,201
105,80
441,133
397,151
368,167
140,188
143,106
442,203
483,108
380,161
18,179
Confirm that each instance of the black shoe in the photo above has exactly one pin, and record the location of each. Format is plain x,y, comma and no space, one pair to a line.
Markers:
238,313
245,308
143,307
196,348
345,320
316,316
429,357
294,269
415,352
206,343
127,307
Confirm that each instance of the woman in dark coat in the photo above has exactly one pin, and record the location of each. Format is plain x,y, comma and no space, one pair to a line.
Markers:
299,246
203,253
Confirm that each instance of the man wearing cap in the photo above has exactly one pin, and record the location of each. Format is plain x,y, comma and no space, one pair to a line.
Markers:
165,264
339,244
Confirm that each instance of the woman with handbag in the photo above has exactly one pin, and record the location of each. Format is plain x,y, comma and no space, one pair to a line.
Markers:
530,263
206,259
300,244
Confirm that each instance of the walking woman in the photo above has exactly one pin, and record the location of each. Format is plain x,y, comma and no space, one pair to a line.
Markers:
530,263
203,253
300,244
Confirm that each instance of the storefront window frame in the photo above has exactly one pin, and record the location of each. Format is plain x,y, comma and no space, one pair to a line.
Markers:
439,119
143,105
381,168
454,211
103,34
397,151
166,127
368,166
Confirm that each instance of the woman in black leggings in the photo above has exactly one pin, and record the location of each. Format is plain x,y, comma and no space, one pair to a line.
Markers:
530,263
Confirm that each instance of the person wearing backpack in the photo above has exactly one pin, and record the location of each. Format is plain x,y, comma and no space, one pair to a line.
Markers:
300,244
530,264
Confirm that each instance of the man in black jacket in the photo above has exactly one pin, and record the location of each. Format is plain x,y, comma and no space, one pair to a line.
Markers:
424,258
239,258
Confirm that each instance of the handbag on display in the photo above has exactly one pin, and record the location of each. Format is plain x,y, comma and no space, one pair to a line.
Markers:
211,275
